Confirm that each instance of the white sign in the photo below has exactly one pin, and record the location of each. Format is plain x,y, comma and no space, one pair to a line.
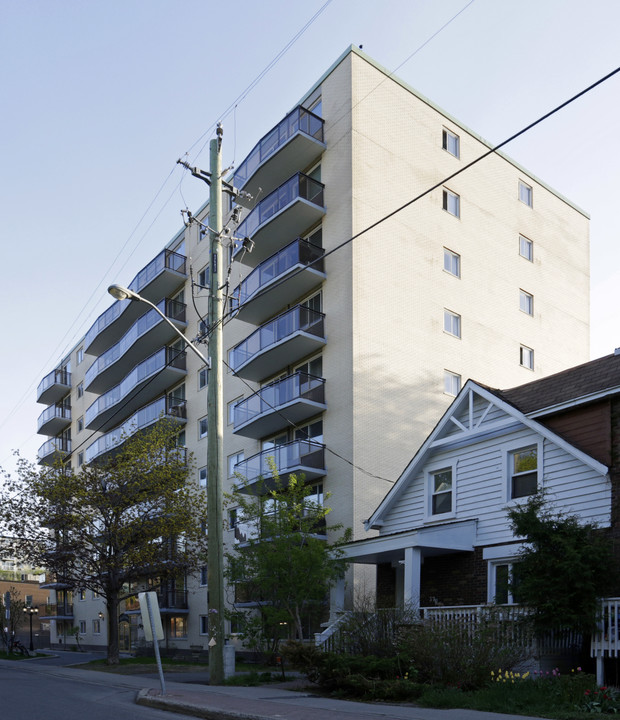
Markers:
156,629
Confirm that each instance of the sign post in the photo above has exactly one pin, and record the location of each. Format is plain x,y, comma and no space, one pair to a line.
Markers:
153,629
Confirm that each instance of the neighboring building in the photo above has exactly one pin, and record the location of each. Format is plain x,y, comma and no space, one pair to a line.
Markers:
444,535
342,355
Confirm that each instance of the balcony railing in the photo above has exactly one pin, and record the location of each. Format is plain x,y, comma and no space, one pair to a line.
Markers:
299,456
54,449
167,260
58,610
54,419
299,189
54,386
164,407
172,599
290,260
173,310
161,368
300,329
289,400
298,122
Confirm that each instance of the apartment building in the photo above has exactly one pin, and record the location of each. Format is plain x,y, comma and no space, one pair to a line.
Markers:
350,327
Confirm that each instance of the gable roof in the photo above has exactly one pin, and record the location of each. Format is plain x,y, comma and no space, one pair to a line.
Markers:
472,428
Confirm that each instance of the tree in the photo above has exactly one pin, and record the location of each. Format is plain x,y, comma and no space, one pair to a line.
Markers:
9,627
283,563
563,570
110,526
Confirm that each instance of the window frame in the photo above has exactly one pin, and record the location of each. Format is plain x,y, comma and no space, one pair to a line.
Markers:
203,576
96,626
430,473
526,194
526,302
448,328
446,136
449,375
237,457
510,451
455,259
230,410
203,378
492,590
526,357
203,434
526,242
203,627
447,196
202,477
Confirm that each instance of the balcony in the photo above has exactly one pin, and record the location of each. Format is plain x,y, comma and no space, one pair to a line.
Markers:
279,281
299,456
54,450
287,212
53,420
160,278
58,611
293,399
173,602
280,342
147,334
295,142
54,386
146,381
111,442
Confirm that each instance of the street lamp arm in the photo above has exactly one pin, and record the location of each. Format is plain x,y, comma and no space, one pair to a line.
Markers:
121,293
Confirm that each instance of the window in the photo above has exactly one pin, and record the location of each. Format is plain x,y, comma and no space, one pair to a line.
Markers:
526,357
80,424
526,248
95,595
82,627
452,323
526,302
231,409
202,477
80,459
451,383
203,575
313,303
79,356
233,460
203,378
312,367
203,277
450,142
523,468
203,527
452,262
312,431
80,390
96,627
82,594
452,203
504,582
204,624
525,193
202,428
178,627
441,491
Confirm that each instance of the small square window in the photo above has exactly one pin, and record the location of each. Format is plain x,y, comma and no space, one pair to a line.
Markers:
452,203
526,248
526,357
80,390
202,428
202,477
450,142
452,262
525,193
441,492
203,378
526,302
203,575
452,323
523,466
451,383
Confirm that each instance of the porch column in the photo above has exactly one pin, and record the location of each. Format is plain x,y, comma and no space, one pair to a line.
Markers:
413,569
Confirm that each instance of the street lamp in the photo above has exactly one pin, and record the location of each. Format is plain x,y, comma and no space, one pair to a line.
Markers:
30,611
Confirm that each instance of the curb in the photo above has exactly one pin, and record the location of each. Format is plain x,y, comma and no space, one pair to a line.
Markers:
167,702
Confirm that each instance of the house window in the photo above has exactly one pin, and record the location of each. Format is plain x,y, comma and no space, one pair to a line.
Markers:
95,595
523,466
450,142
526,357
233,460
82,594
178,627
452,203
203,277
441,491
80,390
202,477
203,575
452,323
526,302
79,356
202,428
504,582
96,627
231,409
452,262
526,248
203,378
80,459
525,193
451,383
204,624
82,627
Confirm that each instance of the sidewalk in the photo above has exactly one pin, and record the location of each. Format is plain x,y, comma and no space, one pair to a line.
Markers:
278,703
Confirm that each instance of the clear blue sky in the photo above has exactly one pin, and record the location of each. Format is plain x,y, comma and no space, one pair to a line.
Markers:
99,99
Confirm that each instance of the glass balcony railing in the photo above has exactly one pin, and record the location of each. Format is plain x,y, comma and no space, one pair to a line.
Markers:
299,120
299,253
166,260
164,407
297,456
54,448
58,610
272,397
299,319
172,309
58,383
299,187
166,357
56,416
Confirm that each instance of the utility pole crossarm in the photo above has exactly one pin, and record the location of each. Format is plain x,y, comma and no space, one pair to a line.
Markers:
196,171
